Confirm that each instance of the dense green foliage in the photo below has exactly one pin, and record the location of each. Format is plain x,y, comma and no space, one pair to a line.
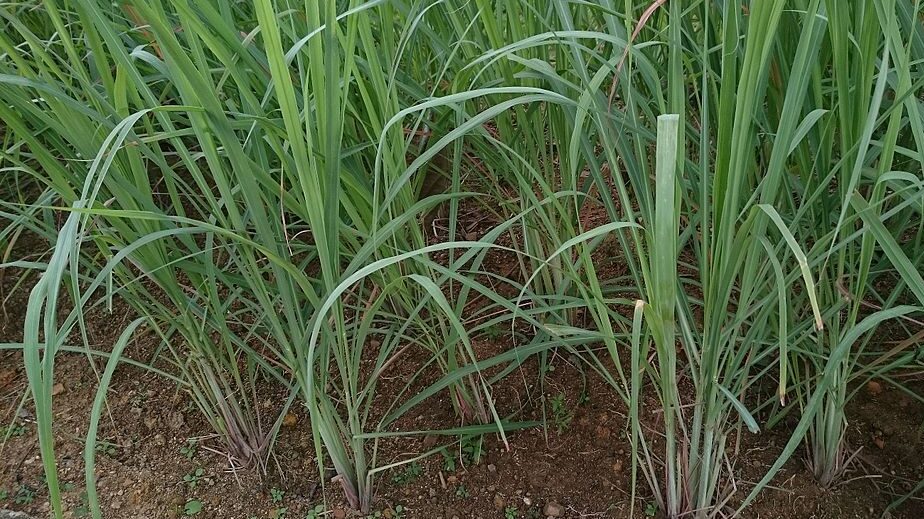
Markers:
249,178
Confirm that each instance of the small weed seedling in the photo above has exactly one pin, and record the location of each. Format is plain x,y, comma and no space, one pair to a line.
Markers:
192,479
190,449
651,509
13,430
461,492
511,512
315,513
472,449
193,507
109,449
279,513
24,496
494,332
4,494
83,509
449,460
276,495
583,398
409,474
395,513
561,415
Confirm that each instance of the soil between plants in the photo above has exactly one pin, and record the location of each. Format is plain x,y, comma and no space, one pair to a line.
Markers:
580,466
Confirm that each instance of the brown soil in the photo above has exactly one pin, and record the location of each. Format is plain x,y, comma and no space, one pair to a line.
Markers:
583,468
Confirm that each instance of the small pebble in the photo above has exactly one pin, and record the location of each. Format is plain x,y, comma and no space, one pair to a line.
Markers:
553,509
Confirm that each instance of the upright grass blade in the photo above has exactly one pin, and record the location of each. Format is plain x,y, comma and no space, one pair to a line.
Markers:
662,299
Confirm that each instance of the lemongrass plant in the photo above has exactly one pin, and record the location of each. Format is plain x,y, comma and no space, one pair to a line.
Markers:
184,295
240,174
863,112
737,222
745,214
228,179
753,102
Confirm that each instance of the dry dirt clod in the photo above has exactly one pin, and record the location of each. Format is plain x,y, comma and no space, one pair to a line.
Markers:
176,420
6,376
553,509
9,514
57,389
603,433
499,502
878,440
339,513
873,388
289,420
